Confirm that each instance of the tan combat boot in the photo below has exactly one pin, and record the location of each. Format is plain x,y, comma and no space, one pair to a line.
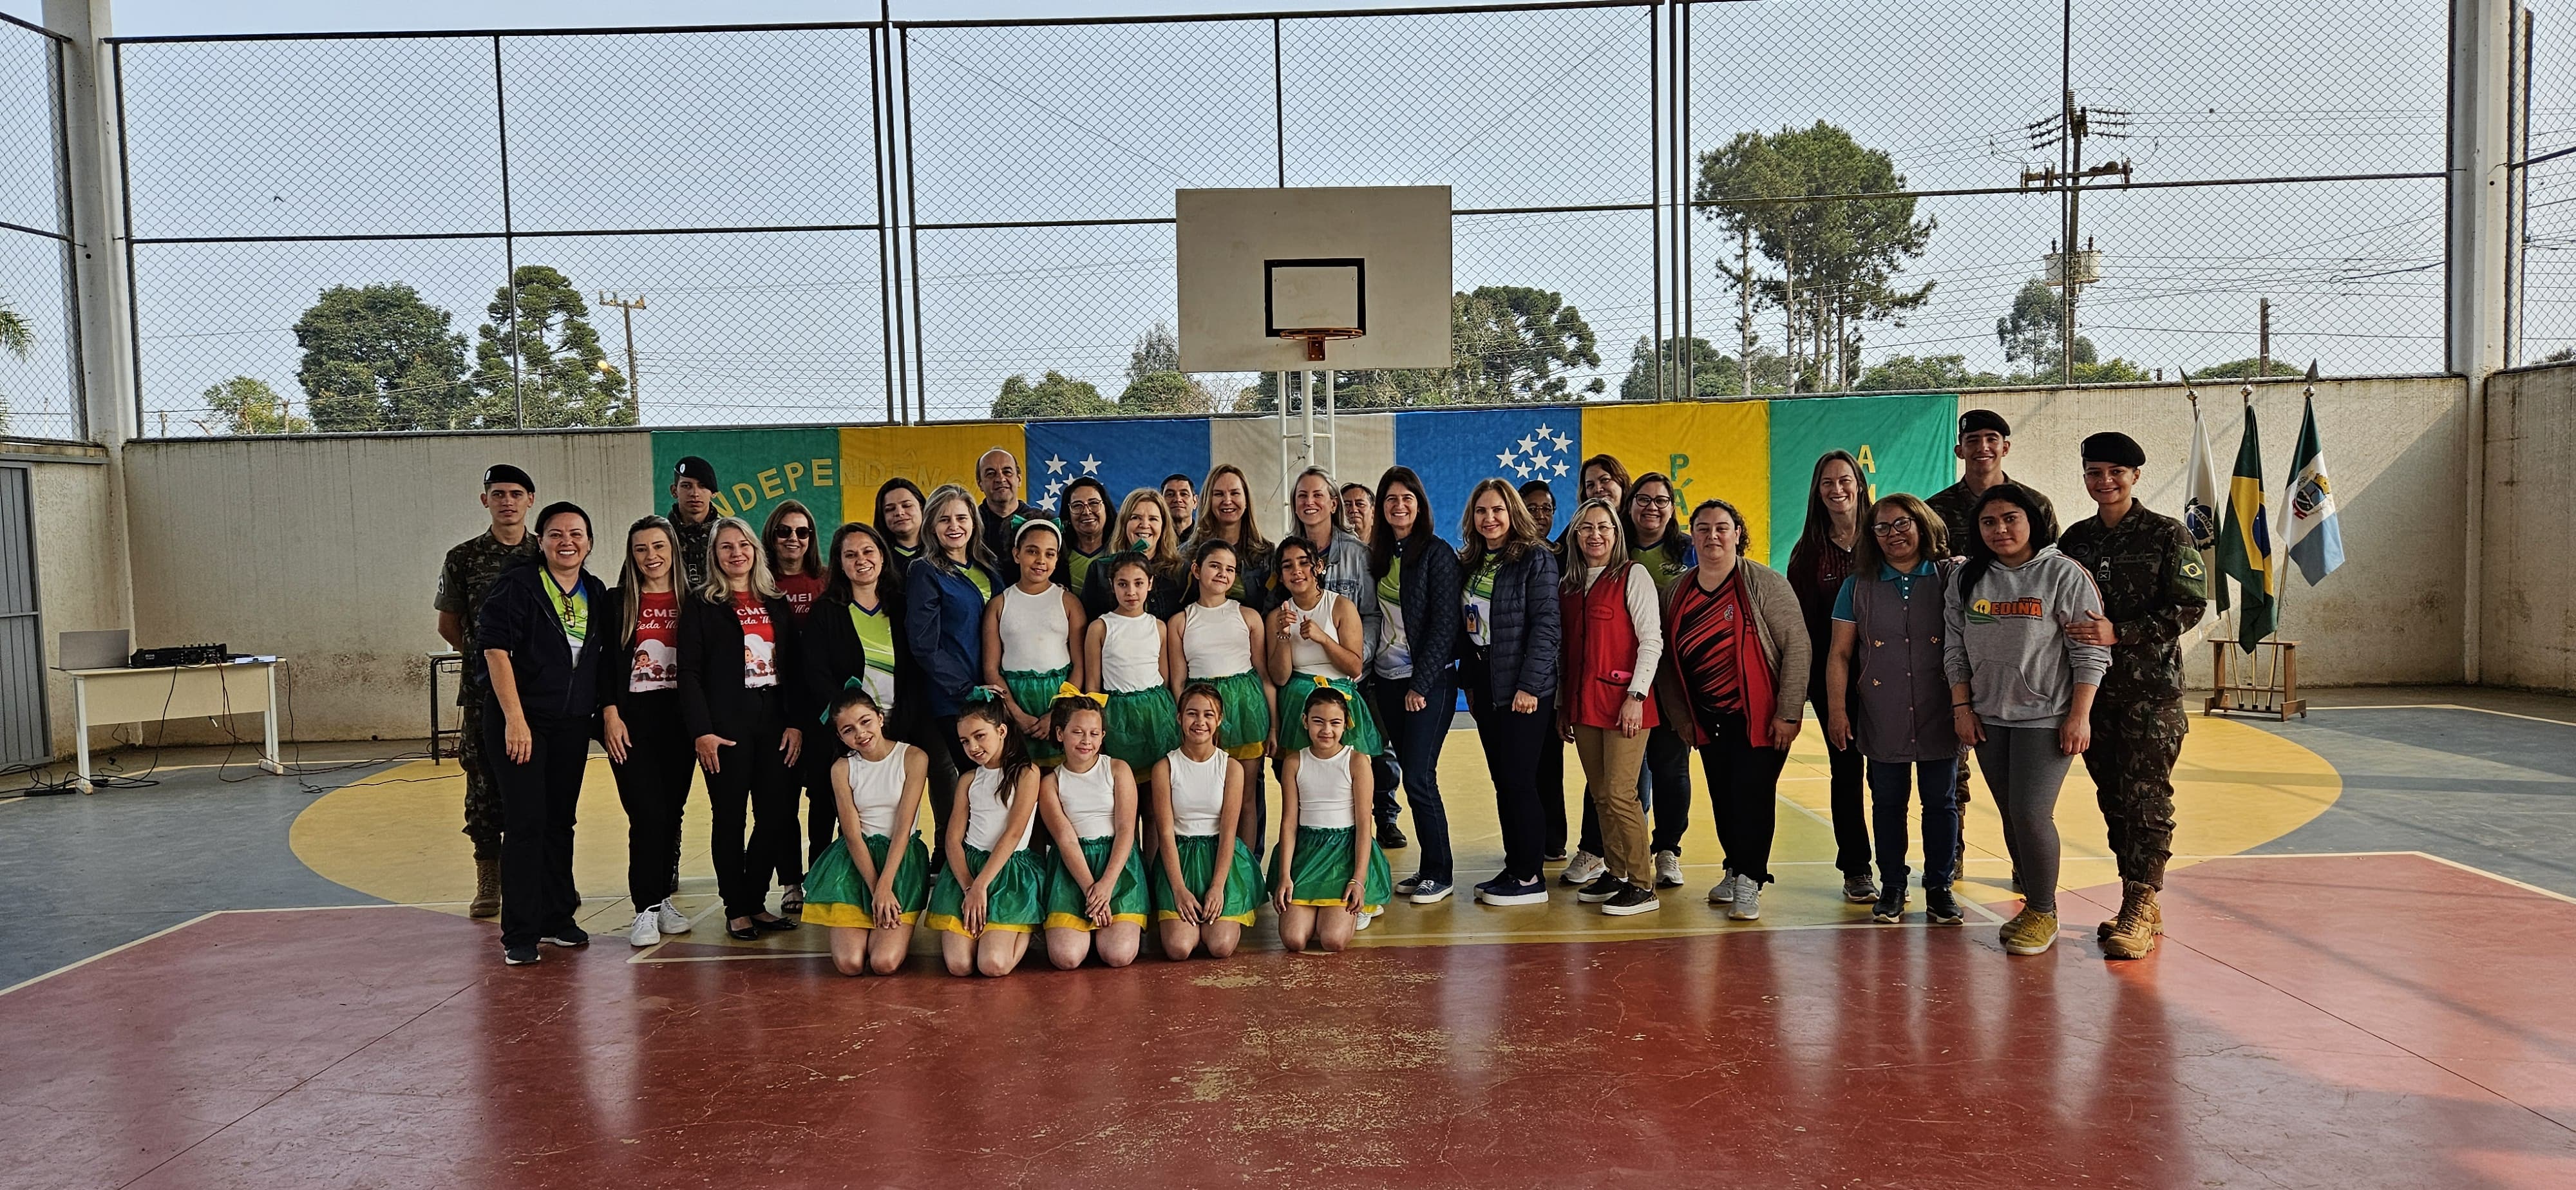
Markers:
2133,933
487,889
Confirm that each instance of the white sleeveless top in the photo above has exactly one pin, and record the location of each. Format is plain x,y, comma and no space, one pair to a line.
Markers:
1214,642
1198,791
1306,656
1088,798
1324,788
987,812
1033,630
876,787
1131,652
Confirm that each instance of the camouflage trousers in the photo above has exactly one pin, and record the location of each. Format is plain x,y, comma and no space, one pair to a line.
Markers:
482,802
2131,761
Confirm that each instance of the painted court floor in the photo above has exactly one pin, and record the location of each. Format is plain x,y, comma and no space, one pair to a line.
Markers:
2369,979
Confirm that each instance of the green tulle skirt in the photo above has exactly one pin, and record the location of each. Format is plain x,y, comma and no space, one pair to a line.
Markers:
1035,691
1127,903
1322,868
1143,725
835,897
1242,890
1016,900
1246,727
1362,734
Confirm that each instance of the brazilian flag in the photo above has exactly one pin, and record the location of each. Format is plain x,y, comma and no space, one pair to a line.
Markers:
2245,542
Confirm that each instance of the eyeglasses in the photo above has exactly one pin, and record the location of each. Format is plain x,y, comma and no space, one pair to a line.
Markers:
1892,528
1655,501
795,532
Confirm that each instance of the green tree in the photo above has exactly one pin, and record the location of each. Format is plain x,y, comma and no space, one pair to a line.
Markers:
1507,343
1058,395
250,406
377,357
1924,374
1838,261
563,378
2032,332
2252,365
16,339
1157,350
1165,392
1715,376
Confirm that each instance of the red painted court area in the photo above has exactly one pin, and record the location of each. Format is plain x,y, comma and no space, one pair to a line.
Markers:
2299,1028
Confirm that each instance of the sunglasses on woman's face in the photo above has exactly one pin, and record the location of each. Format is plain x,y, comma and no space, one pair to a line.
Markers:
795,532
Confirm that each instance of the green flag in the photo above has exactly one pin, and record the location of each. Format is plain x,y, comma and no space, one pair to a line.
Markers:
2245,541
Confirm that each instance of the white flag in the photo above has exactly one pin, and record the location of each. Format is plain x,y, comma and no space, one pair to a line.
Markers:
2201,504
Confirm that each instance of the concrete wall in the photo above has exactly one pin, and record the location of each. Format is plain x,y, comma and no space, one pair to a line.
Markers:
80,560
326,551
2395,451
2527,630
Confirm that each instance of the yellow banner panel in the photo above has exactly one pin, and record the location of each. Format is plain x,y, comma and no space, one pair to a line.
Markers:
1714,450
926,455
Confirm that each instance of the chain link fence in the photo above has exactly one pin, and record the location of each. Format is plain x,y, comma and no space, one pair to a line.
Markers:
939,220
2541,320
40,378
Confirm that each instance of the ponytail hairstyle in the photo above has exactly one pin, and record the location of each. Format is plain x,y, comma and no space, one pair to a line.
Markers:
1327,695
1981,557
1208,691
1015,747
1743,530
851,696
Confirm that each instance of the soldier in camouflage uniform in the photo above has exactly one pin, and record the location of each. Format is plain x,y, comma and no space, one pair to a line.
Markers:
693,515
464,577
1984,439
2154,589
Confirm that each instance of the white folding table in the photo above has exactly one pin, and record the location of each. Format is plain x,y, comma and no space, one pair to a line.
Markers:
109,696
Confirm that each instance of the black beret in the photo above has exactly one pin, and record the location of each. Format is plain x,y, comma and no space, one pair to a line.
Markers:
1983,419
693,467
2114,447
505,473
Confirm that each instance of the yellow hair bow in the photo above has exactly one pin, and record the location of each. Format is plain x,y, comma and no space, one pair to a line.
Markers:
1069,690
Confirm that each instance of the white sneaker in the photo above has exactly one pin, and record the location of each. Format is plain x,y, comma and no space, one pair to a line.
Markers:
670,919
1364,921
1583,869
1723,892
1748,900
646,931
1668,869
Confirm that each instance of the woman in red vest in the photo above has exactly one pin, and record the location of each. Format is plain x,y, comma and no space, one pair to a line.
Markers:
1613,638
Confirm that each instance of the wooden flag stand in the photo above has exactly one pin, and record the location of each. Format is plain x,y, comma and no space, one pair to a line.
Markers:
2267,688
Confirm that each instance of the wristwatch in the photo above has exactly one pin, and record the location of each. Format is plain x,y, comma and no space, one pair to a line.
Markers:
1636,696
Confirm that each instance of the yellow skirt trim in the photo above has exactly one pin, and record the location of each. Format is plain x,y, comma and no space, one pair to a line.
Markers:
1075,921
1246,752
848,917
1336,903
1241,919
942,921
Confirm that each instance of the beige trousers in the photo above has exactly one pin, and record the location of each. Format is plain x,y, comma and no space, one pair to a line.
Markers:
1610,764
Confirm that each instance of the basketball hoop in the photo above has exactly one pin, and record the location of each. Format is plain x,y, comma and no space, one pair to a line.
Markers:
1317,336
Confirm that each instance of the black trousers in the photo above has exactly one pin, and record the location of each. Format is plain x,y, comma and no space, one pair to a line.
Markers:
1513,743
1849,769
752,774
938,737
653,785
812,774
1743,795
1666,767
537,802
1415,738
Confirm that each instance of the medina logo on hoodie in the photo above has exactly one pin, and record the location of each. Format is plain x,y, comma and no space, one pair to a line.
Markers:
1988,611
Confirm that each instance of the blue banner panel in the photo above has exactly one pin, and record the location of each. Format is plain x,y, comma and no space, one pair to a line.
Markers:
1454,449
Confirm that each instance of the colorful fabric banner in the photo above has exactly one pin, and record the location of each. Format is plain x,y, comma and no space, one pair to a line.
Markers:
926,455
755,469
1123,454
1902,443
1455,450
1718,450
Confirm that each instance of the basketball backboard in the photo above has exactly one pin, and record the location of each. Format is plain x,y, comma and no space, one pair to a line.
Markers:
1366,267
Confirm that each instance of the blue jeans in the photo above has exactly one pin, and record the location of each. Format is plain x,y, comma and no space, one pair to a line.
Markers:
1415,738
1938,781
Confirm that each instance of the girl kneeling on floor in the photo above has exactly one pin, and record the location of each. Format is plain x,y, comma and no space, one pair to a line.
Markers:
1205,885
871,896
1095,897
1325,877
989,896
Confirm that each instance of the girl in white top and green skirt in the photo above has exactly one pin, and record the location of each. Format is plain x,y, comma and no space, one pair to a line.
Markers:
1316,641
1326,878
1032,639
1095,899
1217,639
1205,885
1129,650
991,894
871,896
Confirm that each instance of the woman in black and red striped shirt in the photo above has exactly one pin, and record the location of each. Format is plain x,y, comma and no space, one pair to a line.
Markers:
1734,679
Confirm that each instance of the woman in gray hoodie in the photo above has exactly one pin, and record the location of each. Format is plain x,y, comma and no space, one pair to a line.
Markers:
2021,689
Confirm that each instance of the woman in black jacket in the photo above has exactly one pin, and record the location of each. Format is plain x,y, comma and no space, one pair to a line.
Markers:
1411,680
850,638
542,643
742,705
1507,665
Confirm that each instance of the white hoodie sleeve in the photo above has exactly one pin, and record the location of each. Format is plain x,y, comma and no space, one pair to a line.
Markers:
1646,616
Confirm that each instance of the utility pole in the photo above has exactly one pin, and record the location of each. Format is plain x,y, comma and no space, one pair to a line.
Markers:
634,385
2068,269
2263,337
1744,305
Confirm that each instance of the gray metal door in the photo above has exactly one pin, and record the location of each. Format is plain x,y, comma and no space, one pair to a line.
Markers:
22,649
